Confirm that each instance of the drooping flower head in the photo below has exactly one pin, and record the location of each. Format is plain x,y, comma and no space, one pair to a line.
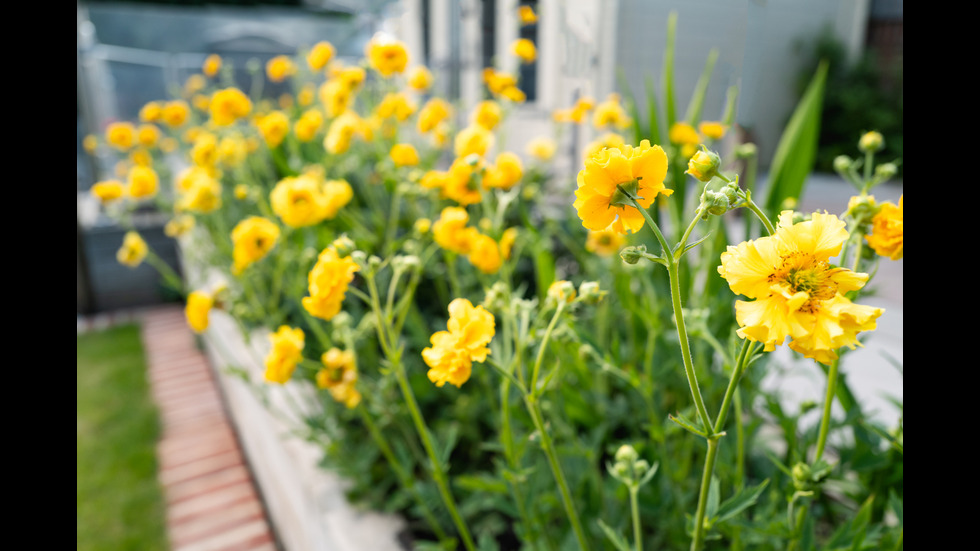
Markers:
197,311
328,282
339,376
287,351
797,293
888,233
133,250
640,170
451,356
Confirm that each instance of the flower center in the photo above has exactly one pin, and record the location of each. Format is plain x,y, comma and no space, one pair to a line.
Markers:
803,273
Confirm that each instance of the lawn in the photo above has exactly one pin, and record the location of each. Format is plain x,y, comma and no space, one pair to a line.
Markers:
120,503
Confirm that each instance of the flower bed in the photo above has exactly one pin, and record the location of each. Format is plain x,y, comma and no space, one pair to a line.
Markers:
501,374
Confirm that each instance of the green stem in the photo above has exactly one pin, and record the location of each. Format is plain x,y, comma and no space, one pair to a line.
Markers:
759,214
635,509
544,345
709,466
394,357
828,402
692,379
403,475
549,450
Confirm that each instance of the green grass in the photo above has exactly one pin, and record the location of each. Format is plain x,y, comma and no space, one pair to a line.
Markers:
120,503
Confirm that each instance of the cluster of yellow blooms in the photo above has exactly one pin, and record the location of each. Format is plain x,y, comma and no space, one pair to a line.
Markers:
887,238
286,353
306,200
329,280
339,376
451,232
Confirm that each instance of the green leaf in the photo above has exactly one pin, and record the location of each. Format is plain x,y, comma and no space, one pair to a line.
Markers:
742,500
797,148
689,425
618,541
851,535
452,436
895,504
696,106
730,106
480,483
668,75
653,118
714,498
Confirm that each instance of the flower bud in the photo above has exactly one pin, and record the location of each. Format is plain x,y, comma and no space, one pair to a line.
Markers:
343,245
842,163
885,171
632,255
871,142
342,319
497,297
590,293
561,291
405,262
801,476
733,193
703,165
714,203
746,151
626,454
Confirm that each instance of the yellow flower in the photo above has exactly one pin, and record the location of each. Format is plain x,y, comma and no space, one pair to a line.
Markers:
605,242
797,293
682,134
203,194
598,201
609,139
450,230
473,139
212,64
395,105
121,135
141,157
90,143
168,144
108,190
507,241
320,55
201,102
175,113
497,82
151,112
338,193
204,152
241,192
179,225
433,112
198,307
420,79
887,237
232,150
451,356
287,351
611,113
336,97
299,201
306,95
274,128
459,184
194,83
133,250
484,253
308,125
713,130
527,16
542,149
339,376
561,291
147,135
229,105
514,94
252,238
422,226
505,173
386,56
487,114
341,132
404,154
524,49
351,77
143,182
328,282
279,67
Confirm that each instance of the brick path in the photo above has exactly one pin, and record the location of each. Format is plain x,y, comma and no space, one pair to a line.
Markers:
212,502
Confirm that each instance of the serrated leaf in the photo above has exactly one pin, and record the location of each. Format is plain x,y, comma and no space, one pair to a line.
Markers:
742,500
480,483
689,425
618,541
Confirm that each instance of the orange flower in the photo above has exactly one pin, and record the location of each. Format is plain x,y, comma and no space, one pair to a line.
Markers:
640,170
